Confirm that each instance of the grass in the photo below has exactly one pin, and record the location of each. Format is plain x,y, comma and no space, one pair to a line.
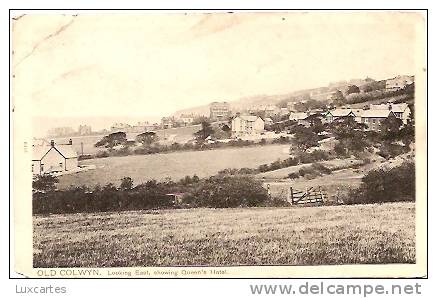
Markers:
175,165
333,165
360,234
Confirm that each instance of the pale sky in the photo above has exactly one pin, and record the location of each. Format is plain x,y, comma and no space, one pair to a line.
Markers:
154,64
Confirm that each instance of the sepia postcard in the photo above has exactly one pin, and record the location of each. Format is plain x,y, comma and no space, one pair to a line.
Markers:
219,144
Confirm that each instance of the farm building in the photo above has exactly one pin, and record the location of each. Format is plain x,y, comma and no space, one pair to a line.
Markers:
53,158
247,125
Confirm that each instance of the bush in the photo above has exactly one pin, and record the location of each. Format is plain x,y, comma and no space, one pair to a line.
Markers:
228,191
307,170
340,149
102,154
294,175
242,171
321,168
310,172
149,195
316,155
389,150
396,184
281,140
84,157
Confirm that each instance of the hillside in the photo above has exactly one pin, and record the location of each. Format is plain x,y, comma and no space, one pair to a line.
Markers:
240,104
319,93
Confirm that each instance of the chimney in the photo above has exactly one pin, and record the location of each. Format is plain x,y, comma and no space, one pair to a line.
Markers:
70,142
52,143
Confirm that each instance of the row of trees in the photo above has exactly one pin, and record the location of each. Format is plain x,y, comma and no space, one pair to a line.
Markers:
148,139
219,191
119,138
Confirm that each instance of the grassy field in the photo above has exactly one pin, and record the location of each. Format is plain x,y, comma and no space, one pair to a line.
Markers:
257,236
175,165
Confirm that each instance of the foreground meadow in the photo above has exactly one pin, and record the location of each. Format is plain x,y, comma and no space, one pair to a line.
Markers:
221,237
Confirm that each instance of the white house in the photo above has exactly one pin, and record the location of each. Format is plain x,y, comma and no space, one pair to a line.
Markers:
187,119
400,110
53,158
247,125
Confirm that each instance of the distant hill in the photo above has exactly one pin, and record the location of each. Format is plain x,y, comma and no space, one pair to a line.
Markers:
240,104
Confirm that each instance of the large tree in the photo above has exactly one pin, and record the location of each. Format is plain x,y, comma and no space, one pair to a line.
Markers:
338,98
304,138
390,128
113,139
204,132
350,134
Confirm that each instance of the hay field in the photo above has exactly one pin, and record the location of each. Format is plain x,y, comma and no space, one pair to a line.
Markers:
175,165
358,234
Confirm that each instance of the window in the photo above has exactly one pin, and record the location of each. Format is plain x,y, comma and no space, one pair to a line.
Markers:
32,168
60,165
42,168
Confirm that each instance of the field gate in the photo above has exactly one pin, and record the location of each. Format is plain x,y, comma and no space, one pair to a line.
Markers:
309,196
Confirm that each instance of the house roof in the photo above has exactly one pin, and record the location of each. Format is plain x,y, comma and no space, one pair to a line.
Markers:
249,118
396,108
67,151
38,152
357,112
341,112
375,113
298,116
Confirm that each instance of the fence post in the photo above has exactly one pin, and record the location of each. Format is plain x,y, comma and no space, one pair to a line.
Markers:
321,194
291,196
